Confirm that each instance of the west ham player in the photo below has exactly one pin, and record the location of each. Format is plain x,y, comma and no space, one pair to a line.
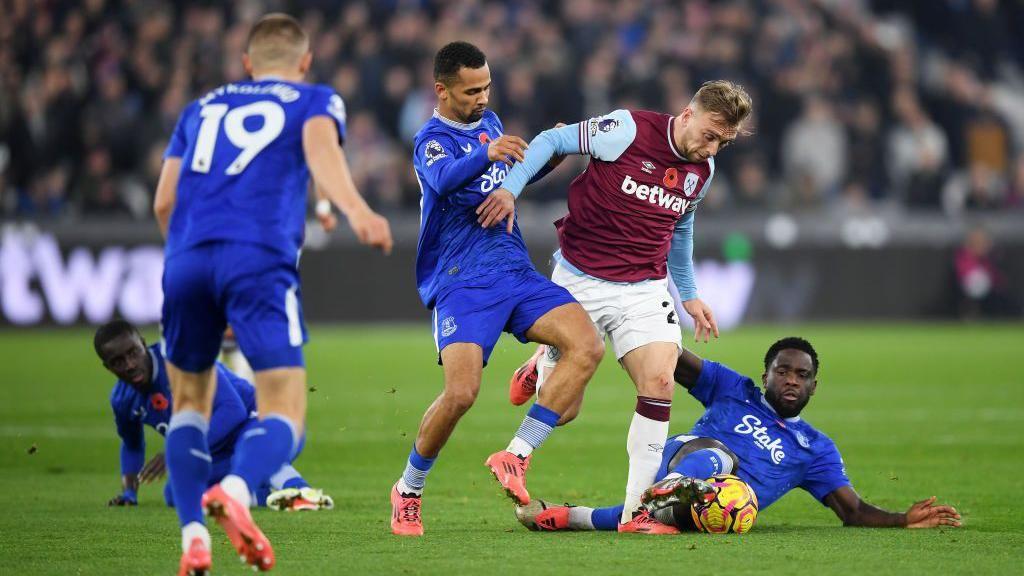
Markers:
479,282
233,187
142,397
630,211
758,436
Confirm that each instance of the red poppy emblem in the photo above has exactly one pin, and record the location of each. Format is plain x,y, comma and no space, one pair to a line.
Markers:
159,401
484,138
671,178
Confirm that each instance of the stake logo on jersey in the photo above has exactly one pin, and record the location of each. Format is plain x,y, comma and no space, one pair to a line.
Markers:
775,454
243,142
752,425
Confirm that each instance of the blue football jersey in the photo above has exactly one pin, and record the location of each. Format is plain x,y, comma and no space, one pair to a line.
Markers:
776,454
234,403
243,173
455,176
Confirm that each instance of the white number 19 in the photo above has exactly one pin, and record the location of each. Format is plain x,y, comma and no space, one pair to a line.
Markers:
251,143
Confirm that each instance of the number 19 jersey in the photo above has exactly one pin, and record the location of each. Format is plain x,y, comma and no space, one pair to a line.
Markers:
244,176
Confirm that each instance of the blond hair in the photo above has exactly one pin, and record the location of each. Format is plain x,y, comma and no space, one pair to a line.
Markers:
725,98
276,40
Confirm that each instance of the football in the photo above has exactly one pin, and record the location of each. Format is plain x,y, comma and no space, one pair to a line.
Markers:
733,509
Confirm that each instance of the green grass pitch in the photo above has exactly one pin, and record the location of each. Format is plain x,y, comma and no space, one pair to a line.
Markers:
916,410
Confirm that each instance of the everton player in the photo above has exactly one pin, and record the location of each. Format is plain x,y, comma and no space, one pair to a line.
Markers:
630,212
231,198
758,436
142,397
480,281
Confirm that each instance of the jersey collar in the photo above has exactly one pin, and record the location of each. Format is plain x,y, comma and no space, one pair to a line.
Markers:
769,406
455,124
671,141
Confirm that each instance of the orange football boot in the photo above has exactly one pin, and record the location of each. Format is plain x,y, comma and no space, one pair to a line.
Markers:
523,384
643,523
405,513
247,538
197,561
510,470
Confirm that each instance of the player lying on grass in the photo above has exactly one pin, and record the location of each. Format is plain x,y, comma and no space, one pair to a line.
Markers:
759,437
142,396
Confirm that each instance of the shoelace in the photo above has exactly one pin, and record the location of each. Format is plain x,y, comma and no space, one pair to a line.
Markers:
411,511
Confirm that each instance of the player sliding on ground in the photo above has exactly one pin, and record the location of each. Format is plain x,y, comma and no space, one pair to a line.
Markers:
480,281
757,436
629,226
234,186
142,397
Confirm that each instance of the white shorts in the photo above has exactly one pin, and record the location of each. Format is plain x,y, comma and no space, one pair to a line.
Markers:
631,315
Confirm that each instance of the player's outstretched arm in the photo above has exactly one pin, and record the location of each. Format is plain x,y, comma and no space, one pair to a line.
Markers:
854,511
680,267
166,193
331,175
688,369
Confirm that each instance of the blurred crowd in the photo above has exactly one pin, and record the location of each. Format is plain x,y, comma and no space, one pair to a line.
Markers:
860,105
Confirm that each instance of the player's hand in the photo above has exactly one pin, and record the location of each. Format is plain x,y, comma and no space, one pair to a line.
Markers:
928,514
371,229
154,469
327,221
499,205
122,500
704,323
556,160
507,148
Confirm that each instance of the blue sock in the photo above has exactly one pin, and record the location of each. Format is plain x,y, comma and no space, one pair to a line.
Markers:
606,518
704,464
264,448
538,423
416,468
188,463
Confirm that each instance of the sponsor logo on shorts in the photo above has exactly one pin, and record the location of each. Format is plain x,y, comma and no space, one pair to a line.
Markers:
448,326
752,425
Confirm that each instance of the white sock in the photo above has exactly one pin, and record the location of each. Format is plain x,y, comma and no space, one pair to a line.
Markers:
519,447
237,489
644,444
191,531
545,365
404,488
579,518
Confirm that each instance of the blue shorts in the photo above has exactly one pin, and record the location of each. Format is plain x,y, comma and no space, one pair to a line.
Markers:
479,311
251,287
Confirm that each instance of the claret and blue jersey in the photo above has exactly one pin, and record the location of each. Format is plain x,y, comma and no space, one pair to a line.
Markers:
775,454
234,403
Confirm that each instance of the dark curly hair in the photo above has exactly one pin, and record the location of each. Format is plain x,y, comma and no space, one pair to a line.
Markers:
111,330
454,56
791,342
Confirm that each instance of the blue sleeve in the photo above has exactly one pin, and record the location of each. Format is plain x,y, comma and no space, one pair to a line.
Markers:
549,143
229,412
826,474
326,102
178,143
133,441
716,381
435,160
680,258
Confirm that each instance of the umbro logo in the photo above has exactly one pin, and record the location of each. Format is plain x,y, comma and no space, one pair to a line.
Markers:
647,166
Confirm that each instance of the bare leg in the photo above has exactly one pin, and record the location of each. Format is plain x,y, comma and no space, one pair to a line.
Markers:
463,366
